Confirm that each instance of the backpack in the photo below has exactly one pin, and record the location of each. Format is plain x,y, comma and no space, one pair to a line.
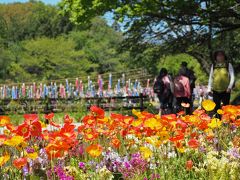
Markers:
178,86
227,67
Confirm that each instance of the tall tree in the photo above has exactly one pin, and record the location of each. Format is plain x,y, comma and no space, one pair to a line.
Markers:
176,26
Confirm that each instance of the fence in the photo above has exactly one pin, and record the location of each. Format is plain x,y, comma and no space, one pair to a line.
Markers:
23,106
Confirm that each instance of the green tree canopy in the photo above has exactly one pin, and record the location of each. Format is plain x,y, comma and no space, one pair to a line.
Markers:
176,26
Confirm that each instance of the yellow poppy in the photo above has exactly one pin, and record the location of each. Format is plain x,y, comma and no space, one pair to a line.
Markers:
146,152
152,123
220,111
208,105
153,140
136,123
32,155
14,141
137,113
215,123
181,149
43,125
4,159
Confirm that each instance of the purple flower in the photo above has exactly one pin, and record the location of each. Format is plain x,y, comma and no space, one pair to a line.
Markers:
29,150
25,170
234,153
127,165
81,165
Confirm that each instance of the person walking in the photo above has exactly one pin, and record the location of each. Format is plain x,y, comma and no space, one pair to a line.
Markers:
163,88
192,79
182,91
221,79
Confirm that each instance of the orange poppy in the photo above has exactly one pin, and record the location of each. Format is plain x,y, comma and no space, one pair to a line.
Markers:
11,127
98,112
4,120
94,150
67,119
2,138
53,151
198,112
189,165
20,162
193,143
116,142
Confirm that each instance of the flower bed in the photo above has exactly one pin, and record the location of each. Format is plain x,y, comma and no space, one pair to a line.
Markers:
142,146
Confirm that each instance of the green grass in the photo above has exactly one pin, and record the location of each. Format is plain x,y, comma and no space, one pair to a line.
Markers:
17,119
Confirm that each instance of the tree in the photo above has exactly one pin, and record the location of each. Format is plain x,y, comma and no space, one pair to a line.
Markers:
176,26
20,21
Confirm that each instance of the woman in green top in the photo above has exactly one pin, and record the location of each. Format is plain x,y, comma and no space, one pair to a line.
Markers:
221,79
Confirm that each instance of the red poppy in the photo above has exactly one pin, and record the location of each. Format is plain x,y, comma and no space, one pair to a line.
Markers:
98,112
49,116
203,125
80,128
89,120
178,137
67,119
189,165
20,162
181,124
36,128
54,124
90,136
193,143
181,113
23,130
30,117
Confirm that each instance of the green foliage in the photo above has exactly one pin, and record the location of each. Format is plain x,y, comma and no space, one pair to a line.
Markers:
175,26
43,48
21,21
38,43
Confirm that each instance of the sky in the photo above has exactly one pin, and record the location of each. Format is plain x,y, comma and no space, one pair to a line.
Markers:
45,1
